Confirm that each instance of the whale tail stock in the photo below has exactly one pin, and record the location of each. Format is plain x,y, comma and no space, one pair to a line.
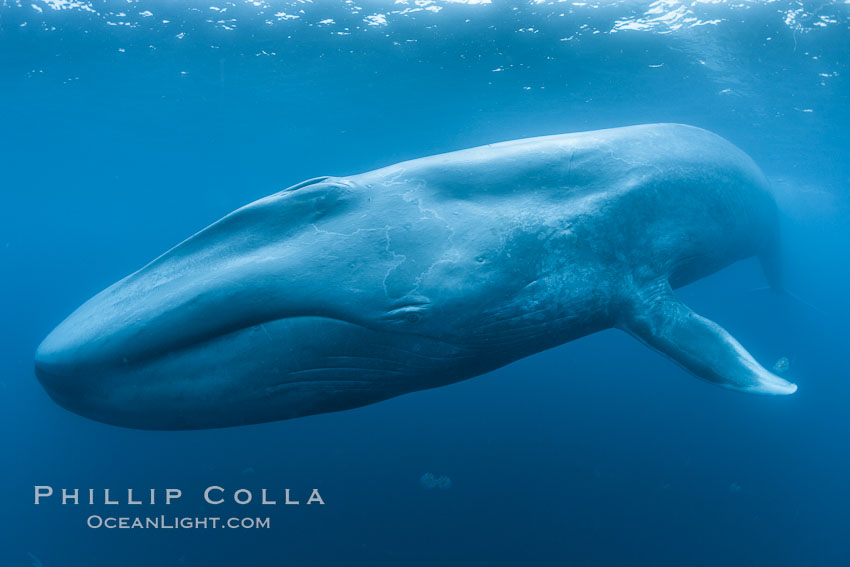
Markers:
658,319
771,264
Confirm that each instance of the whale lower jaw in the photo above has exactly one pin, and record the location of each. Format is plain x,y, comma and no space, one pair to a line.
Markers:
281,369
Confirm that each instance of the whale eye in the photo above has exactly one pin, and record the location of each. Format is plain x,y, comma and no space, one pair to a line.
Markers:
412,317
407,314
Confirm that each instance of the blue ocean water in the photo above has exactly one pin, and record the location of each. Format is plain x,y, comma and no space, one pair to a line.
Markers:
128,126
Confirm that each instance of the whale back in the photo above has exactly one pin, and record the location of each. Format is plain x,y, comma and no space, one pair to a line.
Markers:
582,161
706,196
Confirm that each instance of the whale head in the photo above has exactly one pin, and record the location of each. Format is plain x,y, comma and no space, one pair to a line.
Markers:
286,307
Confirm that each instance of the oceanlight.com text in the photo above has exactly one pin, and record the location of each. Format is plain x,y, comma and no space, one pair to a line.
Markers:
176,522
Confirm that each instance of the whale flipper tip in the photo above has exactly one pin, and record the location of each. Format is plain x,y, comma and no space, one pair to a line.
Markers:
773,385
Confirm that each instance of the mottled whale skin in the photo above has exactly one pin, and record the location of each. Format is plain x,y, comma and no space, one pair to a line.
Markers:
343,291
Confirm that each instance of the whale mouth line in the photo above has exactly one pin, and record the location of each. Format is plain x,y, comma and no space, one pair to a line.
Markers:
205,340
123,359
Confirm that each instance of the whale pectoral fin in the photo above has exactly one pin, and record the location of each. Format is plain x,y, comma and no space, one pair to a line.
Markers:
658,319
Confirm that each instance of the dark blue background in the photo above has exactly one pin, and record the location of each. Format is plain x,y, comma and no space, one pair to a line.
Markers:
598,452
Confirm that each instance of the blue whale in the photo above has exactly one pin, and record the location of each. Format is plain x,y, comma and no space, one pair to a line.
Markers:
344,291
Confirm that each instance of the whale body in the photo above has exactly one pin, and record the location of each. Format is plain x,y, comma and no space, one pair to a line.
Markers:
344,291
